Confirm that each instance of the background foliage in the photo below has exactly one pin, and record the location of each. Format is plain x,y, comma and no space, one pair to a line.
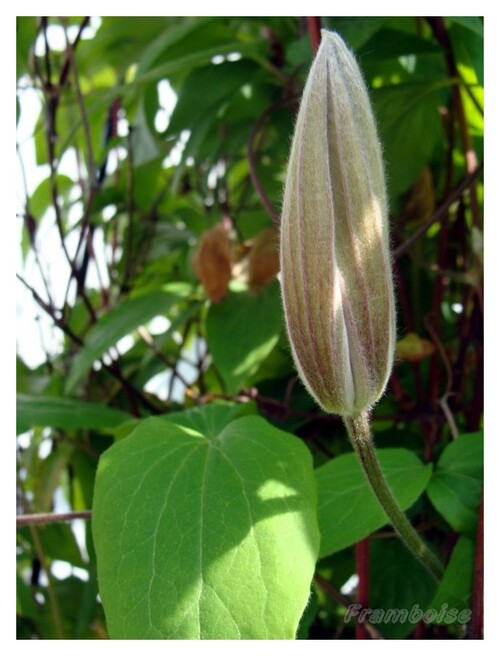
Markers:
171,210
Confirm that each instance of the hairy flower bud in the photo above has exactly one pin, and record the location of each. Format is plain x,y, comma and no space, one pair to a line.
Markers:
334,248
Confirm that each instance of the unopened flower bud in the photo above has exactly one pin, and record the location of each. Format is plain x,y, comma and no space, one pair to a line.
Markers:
335,261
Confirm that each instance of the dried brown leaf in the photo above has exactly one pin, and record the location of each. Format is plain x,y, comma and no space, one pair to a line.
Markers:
263,259
212,262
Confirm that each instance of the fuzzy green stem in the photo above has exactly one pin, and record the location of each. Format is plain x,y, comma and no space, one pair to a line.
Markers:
361,439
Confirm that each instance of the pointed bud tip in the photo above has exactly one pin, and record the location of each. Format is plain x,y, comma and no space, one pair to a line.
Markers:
334,250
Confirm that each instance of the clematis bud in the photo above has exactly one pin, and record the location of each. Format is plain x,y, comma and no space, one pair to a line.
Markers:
334,247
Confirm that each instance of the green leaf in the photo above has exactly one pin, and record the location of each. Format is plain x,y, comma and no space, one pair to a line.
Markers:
25,37
357,30
121,321
454,592
410,129
347,508
144,145
468,48
404,589
172,38
58,542
205,537
308,617
51,475
242,331
390,43
472,23
25,600
41,199
120,40
205,89
64,413
210,420
192,36
456,485
192,60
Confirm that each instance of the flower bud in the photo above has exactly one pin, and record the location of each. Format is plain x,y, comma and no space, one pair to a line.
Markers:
334,247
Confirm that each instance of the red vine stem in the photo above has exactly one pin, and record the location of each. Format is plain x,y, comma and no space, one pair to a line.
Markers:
345,601
314,27
476,623
362,553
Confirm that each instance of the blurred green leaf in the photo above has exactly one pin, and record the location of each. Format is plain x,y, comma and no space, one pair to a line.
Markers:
59,543
468,48
120,40
357,30
404,589
242,331
219,82
41,198
121,321
51,474
410,129
25,600
389,43
472,23
455,590
66,413
144,144
347,508
26,29
456,485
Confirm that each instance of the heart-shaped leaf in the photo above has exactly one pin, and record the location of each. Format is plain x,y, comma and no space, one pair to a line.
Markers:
456,485
205,536
347,508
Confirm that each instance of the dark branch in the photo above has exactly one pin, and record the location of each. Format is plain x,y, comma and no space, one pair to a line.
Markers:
51,518
440,212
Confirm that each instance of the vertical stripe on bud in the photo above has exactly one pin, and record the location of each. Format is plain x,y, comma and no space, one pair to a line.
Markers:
334,248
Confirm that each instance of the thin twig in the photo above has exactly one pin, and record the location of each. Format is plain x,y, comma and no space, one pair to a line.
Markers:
439,213
83,110
147,338
443,400
129,262
440,31
282,102
31,227
52,97
51,518
53,602
63,76
175,373
90,161
110,368
345,601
